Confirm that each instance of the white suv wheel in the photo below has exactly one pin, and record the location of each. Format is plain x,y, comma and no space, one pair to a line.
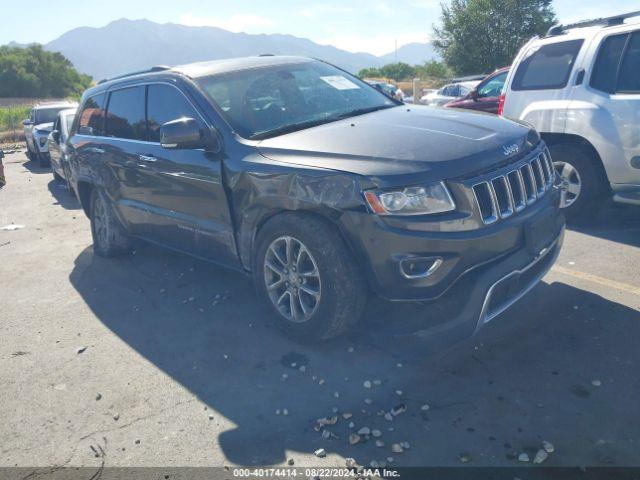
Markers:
570,183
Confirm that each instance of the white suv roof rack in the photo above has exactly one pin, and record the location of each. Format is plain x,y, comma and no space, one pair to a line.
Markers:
605,22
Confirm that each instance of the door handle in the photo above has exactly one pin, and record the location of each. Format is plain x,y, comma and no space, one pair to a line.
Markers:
147,158
96,150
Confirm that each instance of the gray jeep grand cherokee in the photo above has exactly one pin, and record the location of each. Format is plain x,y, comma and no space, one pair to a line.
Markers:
320,187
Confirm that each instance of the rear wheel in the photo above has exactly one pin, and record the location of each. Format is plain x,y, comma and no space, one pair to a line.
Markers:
580,180
109,237
305,273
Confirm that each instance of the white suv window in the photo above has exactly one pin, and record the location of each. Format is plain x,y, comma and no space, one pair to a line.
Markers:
548,67
629,80
618,63
605,71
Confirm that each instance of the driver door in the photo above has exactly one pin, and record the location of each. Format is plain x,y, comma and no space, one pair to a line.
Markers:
184,188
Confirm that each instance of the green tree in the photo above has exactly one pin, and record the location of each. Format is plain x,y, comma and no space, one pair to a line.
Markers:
433,69
478,36
398,71
371,72
36,73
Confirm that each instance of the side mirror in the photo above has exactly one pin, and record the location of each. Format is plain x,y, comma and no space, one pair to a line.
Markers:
27,123
473,95
186,134
56,136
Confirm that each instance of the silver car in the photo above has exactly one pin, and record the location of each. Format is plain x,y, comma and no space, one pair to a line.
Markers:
57,144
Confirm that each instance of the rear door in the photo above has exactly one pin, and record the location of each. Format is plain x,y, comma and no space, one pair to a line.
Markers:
124,177
190,206
613,85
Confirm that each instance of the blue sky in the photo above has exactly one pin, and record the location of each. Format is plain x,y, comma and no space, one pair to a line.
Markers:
355,25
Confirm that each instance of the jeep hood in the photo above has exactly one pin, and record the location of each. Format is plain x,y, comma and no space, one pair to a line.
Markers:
442,143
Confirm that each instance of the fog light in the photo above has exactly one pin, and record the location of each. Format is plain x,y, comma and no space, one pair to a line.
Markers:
420,267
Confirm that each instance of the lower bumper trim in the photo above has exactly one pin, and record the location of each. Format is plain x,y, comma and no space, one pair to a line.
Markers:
515,285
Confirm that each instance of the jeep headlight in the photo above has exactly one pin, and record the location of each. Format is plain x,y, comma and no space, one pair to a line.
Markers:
417,200
43,141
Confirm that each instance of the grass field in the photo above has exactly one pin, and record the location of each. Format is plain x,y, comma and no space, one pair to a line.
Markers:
11,122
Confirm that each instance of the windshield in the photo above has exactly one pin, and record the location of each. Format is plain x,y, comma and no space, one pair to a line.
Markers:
269,101
47,115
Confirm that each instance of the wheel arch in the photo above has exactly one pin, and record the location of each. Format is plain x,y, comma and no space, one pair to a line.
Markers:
328,216
554,139
84,196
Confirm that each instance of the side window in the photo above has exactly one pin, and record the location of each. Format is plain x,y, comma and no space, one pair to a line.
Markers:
548,67
164,104
493,87
125,114
91,119
629,81
605,70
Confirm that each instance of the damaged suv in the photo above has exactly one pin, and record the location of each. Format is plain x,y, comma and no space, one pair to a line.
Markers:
320,187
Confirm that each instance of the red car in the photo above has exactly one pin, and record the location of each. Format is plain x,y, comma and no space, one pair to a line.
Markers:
486,96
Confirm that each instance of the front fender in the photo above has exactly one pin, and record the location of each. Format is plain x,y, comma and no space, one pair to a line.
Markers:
257,195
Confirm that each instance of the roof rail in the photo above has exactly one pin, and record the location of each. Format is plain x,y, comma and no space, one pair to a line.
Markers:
157,68
606,21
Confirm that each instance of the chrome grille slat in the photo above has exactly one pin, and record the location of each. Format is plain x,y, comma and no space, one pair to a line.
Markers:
502,195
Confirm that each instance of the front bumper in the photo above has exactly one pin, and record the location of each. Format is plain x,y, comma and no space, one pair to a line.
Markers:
382,247
483,271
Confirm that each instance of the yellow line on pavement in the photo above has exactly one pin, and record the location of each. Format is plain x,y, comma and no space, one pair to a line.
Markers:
596,279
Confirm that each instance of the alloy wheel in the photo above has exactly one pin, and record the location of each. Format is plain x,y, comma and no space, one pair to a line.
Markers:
292,279
570,183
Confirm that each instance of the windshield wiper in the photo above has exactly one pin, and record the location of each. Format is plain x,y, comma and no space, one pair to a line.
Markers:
362,111
294,127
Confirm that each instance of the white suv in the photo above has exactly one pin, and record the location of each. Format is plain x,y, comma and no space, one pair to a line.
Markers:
580,88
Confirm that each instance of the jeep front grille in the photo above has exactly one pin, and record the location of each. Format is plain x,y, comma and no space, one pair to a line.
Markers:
503,195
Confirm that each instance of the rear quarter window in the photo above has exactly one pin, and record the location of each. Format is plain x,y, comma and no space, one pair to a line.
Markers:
91,118
548,67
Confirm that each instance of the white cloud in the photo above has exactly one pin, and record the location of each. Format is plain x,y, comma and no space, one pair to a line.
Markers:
234,23
377,45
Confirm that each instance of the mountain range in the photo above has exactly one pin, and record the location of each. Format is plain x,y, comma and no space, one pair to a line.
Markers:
128,45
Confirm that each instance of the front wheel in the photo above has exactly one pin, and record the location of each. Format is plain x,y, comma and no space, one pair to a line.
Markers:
305,273
109,237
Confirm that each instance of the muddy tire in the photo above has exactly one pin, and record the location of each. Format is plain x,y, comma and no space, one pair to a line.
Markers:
307,276
109,237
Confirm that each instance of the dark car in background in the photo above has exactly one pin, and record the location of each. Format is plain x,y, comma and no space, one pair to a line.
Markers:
58,144
319,187
486,96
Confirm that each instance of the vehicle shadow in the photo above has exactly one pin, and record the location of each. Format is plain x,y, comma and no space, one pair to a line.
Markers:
527,377
616,222
63,197
34,167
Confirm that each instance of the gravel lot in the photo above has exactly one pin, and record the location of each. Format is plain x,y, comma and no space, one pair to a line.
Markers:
159,359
